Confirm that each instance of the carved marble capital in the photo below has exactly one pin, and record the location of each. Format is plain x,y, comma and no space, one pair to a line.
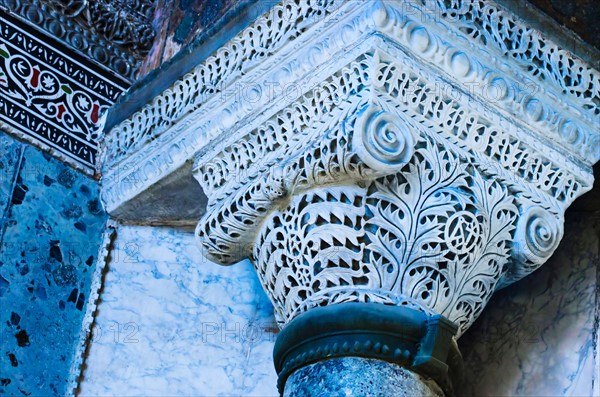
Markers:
368,204
392,179
399,159
418,154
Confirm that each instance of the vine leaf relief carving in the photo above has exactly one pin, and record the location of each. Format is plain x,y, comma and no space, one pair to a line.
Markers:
436,235
369,183
441,233
373,203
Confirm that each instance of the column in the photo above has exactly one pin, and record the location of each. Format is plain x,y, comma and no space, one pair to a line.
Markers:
378,239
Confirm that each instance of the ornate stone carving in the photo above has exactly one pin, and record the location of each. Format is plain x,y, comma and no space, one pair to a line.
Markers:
382,141
537,236
423,158
414,154
283,23
454,52
436,235
376,186
315,217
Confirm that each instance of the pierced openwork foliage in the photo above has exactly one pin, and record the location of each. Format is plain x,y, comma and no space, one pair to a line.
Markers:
375,187
283,23
408,153
468,71
436,235
488,24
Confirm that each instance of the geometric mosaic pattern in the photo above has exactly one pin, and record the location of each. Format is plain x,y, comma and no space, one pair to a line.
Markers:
50,95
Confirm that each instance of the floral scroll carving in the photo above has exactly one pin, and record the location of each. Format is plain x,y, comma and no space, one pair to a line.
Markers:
395,194
435,235
409,167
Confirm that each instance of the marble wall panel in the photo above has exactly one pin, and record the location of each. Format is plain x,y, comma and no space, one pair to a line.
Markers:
172,323
538,337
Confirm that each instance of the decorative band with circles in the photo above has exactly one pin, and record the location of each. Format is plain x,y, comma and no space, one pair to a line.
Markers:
400,335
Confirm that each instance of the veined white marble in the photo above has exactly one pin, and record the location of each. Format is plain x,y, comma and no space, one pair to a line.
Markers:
538,336
172,323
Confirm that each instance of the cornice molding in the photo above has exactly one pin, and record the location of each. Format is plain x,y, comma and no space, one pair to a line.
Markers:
556,108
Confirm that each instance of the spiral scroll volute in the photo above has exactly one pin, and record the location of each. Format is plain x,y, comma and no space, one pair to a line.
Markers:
383,140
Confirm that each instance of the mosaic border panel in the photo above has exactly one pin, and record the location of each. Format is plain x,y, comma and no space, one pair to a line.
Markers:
50,95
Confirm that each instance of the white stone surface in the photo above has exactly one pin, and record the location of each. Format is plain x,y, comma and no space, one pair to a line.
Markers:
375,184
172,323
523,88
537,337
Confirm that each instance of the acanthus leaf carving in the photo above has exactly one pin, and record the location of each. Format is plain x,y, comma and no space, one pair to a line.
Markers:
432,235
386,199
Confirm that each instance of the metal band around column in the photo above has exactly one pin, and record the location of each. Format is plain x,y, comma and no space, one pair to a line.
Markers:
396,334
